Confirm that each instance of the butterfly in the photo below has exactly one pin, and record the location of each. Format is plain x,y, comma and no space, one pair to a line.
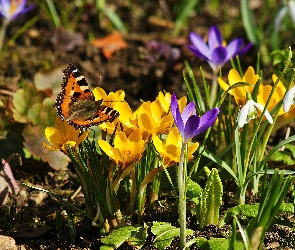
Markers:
76,103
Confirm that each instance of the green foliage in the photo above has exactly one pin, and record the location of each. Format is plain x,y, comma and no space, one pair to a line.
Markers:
23,100
271,199
165,233
184,10
218,244
134,235
207,201
287,156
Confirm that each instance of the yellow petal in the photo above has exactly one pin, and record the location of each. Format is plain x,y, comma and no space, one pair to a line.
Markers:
174,138
82,137
223,84
146,122
192,148
99,94
107,148
54,137
157,143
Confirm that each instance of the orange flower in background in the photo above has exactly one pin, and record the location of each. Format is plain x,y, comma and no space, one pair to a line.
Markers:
62,136
239,93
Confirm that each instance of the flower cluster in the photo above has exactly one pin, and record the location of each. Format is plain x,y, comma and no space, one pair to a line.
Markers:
242,95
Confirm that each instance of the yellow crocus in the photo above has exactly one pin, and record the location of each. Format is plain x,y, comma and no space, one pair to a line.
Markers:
62,136
126,150
169,150
278,95
239,93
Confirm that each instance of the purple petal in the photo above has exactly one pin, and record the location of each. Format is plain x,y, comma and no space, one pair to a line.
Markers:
188,111
191,128
176,113
233,47
173,105
245,49
179,122
215,38
197,53
219,56
199,45
207,120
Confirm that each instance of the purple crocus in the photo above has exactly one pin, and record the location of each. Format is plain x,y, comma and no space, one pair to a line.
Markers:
189,123
215,53
12,9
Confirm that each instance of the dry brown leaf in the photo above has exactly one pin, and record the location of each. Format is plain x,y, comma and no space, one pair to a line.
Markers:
110,44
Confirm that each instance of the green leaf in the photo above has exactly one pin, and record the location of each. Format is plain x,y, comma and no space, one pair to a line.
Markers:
194,192
212,199
117,237
43,113
23,100
135,235
165,233
223,244
247,210
138,238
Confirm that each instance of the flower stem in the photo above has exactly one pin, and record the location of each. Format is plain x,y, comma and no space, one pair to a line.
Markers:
182,196
214,86
3,29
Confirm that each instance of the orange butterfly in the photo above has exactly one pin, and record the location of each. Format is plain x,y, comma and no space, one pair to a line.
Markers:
76,103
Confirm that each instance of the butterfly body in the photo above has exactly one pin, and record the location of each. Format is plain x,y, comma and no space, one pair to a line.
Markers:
76,103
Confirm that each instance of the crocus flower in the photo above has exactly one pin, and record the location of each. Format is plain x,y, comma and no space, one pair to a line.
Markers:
215,53
126,150
170,149
234,77
188,123
62,136
12,9
249,112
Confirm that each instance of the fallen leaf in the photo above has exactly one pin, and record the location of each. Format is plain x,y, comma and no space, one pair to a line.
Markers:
110,44
49,81
34,138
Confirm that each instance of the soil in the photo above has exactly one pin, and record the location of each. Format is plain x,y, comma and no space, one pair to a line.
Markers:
28,220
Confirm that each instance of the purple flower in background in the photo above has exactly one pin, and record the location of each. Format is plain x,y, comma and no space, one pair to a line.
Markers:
12,9
188,123
215,53
157,50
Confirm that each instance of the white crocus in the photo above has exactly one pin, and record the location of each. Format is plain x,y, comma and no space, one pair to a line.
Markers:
289,99
249,112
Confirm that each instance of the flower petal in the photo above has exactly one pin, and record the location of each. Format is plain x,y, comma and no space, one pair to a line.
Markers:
219,56
188,111
54,137
191,128
199,46
233,47
243,114
176,114
266,113
214,38
207,120
289,99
